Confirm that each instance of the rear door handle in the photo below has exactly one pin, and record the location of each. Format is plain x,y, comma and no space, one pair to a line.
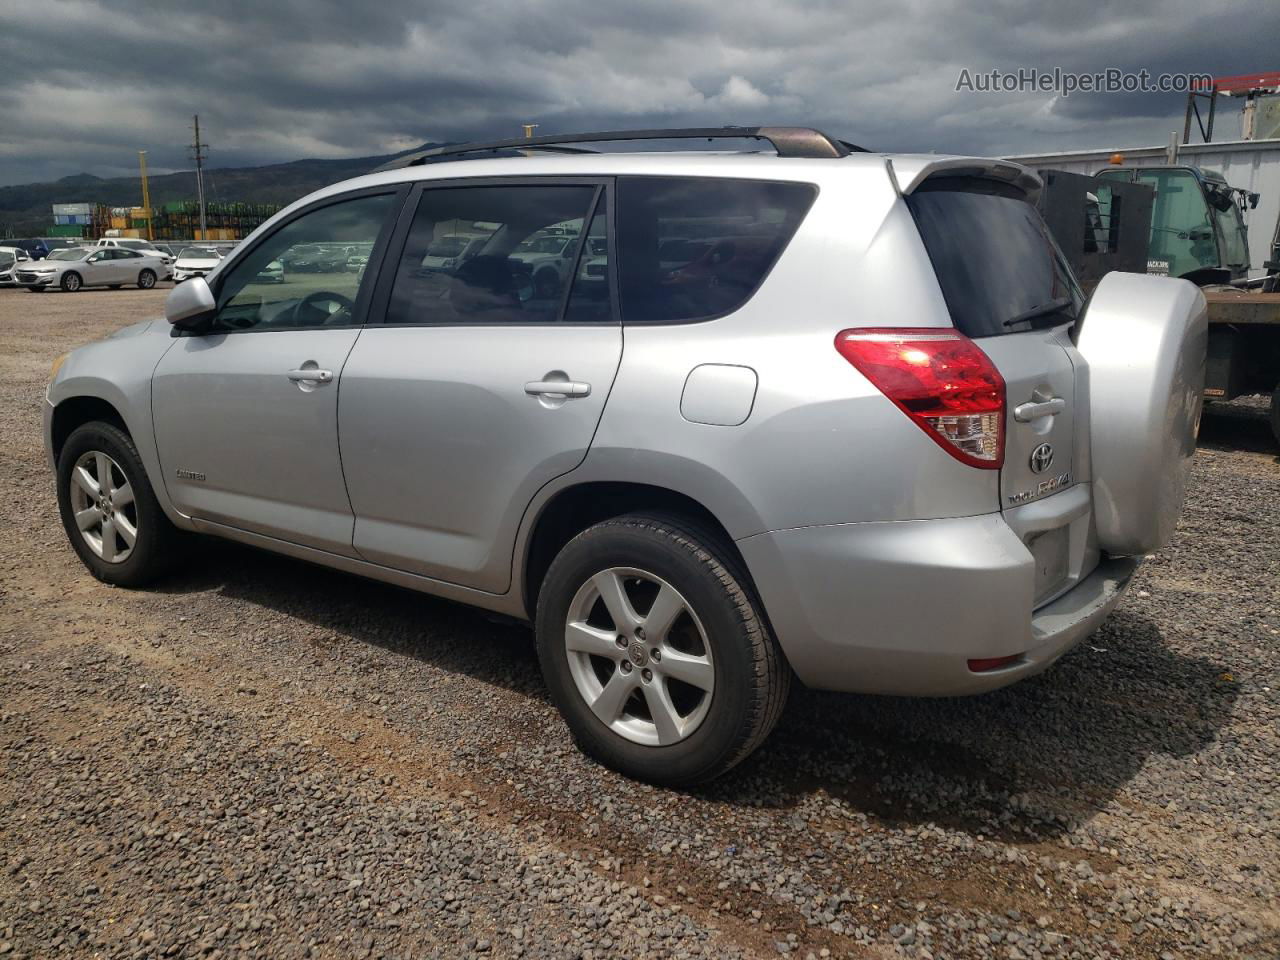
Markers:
1026,412
557,388
310,375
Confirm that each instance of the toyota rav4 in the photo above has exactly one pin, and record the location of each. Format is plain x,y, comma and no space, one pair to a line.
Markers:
867,434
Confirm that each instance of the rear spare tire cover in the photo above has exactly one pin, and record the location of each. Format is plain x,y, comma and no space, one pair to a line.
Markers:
1145,340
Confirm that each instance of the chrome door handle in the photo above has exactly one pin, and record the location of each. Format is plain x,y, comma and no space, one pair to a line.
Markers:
1026,412
557,388
310,375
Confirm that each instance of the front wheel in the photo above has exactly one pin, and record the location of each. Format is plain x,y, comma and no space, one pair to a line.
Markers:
146,280
655,653
71,282
109,510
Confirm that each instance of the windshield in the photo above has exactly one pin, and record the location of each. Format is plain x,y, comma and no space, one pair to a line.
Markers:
1235,240
198,253
542,245
69,253
993,255
1181,231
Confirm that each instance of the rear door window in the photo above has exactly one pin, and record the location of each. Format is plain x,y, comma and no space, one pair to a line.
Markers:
694,249
993,255
496,254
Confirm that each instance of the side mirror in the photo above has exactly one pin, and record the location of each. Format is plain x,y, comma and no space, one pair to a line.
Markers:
190,305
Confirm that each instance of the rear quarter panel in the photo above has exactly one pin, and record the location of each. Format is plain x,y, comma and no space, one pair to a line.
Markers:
821,444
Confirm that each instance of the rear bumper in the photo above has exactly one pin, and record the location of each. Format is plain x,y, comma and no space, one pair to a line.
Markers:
901,607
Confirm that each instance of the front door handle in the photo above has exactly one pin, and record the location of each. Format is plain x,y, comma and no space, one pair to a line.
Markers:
310,375
568,389
1026,412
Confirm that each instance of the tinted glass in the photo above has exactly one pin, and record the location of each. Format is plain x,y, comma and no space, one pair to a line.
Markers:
589,300
992,253
318,289
691,249
477,255
6,259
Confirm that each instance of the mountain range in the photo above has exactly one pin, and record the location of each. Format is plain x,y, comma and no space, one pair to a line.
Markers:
25,209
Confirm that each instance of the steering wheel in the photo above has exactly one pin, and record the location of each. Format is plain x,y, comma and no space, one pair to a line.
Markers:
319,316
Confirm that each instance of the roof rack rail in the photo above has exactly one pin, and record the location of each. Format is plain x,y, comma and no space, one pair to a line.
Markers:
787,141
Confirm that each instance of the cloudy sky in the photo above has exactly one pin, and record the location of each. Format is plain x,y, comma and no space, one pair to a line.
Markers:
87,84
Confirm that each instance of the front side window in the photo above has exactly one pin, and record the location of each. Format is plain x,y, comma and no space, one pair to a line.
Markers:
693,249
318,290
490,254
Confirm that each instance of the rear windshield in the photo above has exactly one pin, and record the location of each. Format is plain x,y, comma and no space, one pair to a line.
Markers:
742,225
993,255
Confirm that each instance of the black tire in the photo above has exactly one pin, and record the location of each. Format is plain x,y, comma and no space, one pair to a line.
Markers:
146,279
157,539
752,678
1275,413
71,281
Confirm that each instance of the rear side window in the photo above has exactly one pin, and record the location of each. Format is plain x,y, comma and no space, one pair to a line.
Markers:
501,254
694,249
992,253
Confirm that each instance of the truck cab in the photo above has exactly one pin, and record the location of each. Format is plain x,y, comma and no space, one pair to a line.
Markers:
1197,223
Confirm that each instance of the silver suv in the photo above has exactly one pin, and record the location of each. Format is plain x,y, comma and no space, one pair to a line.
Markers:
858,425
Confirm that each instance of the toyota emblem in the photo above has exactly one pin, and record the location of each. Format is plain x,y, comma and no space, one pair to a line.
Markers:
1041,458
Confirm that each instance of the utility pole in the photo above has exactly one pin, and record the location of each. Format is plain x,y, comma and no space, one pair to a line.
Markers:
146,195
198,153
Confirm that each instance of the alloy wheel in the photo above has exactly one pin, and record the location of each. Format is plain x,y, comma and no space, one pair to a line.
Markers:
103,506
639,656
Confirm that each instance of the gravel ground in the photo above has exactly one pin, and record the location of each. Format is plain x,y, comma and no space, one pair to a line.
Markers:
263,758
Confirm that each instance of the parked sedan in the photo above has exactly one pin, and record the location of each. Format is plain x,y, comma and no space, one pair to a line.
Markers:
10,258
195,262
273,272
77,267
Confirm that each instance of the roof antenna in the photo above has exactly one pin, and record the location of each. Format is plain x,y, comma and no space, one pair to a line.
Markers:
528,130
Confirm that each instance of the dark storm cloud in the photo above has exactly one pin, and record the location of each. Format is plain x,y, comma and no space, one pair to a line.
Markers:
91,83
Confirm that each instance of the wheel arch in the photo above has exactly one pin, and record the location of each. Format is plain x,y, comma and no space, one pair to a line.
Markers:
575,508
76,411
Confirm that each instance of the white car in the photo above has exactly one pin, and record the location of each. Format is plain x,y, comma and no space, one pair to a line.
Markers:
449,252
74,268
273,272
195,262
144,247
548,258
10,259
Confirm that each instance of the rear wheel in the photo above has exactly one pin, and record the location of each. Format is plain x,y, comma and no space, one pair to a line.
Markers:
655,653
71,282
146,280
109,510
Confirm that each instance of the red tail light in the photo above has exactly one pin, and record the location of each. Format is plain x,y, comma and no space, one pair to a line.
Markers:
941,380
